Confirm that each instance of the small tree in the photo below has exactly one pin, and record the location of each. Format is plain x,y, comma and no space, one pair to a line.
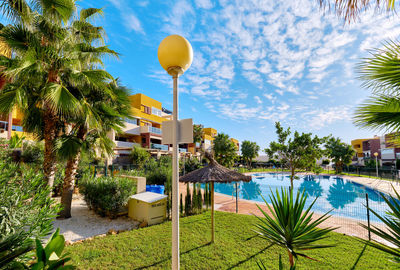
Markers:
249,151
181,206
299,152
340,153
199,199
224,150
139,156
188,201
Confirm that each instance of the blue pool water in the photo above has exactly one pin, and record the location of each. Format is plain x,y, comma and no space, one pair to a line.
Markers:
344,197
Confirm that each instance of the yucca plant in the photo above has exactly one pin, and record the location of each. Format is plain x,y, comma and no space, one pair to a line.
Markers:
392,222
291,225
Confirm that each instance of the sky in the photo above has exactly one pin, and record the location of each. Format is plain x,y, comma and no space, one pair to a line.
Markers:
255,62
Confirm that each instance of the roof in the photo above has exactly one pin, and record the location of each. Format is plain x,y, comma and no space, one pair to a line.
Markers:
148,197
214,172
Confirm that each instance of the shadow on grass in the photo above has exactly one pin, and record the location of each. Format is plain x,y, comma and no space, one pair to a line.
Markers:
249,258
167,259
358,258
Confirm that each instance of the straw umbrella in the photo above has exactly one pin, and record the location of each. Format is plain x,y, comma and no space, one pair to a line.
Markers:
213,173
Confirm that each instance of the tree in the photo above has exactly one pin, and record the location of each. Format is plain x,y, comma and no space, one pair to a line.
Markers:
249,151
91,132
340,153
140,156
48,58
198,133
224,150
351,9
299,152
291,225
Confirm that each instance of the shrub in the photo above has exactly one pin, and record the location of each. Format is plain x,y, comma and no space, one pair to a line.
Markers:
32,152
107,195
139,156
26,211
159,175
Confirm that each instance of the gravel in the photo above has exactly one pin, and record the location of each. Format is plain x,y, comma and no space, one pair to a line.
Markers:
84,223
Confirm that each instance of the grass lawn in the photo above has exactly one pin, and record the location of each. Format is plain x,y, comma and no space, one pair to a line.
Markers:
236,247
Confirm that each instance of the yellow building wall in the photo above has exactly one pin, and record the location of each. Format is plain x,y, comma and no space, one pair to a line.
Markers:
138,102
209,133
357,146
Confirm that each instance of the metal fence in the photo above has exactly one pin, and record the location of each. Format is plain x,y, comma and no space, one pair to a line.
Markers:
383,173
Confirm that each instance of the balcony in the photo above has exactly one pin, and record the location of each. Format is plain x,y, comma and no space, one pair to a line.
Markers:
159,146
148,129
131,129
126,144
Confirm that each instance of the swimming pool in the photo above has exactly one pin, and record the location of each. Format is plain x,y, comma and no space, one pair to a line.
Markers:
344,197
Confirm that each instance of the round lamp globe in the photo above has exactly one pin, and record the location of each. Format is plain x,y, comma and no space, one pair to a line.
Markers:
175,52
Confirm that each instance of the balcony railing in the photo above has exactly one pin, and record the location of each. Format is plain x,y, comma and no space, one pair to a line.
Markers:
159,146
155,130
147,129
126,144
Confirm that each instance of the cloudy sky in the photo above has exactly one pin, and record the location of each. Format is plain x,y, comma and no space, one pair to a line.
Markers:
255,62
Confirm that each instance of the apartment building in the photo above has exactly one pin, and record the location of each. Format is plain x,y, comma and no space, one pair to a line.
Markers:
144,129
208,138
386,147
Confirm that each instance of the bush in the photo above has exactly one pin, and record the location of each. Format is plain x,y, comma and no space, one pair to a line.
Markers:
107,195
26,211
139,156
159,175
32,152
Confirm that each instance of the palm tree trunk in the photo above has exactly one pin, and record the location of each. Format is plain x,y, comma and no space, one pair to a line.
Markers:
49,134
68,186
291,260
69,179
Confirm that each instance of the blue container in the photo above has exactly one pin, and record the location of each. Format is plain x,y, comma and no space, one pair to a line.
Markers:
155,188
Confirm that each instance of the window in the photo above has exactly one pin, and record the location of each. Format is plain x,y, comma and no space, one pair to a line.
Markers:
156,111
147,109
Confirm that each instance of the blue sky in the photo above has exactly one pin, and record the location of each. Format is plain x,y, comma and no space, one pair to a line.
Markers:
255,62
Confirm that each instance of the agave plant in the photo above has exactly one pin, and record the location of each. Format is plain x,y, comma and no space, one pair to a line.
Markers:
292,225
392,222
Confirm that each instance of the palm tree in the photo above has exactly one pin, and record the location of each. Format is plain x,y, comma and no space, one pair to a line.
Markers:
91,132
351,9
291,226
47,59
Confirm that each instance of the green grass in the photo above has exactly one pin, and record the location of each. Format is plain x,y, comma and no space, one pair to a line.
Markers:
236,247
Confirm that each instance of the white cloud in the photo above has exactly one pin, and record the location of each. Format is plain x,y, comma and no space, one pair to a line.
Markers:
206,4
258,100
130,20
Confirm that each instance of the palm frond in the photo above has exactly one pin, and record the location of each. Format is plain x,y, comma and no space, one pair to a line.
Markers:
381,113
379,72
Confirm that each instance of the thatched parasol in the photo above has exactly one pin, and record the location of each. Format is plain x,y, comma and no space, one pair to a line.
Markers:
213,173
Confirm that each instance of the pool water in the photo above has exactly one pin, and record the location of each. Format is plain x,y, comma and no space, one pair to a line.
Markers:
344,197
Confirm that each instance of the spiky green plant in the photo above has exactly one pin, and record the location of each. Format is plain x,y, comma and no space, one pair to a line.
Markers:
392,232
291,225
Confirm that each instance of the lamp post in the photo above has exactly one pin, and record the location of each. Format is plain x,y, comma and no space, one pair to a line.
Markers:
376,161
175,55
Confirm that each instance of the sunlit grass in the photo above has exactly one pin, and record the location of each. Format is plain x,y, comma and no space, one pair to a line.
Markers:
236,247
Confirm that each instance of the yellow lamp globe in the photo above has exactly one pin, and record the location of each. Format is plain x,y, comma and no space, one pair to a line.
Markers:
175,52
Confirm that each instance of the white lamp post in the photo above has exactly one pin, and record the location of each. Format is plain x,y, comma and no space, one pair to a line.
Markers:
376,161
175,55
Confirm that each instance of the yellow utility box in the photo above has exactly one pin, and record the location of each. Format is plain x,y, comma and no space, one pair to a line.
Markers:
149,207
